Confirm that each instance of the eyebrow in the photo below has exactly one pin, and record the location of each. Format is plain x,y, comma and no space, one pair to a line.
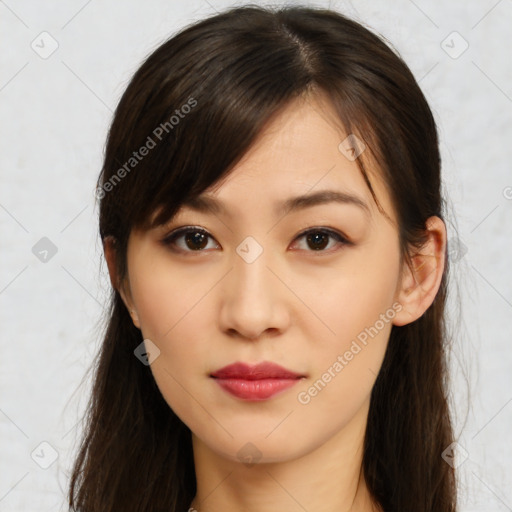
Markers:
206,204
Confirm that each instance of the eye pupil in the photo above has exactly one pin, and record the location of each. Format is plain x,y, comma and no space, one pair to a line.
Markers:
195,237
316,238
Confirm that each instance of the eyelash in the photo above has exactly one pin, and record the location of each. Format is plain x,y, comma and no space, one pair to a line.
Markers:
170,239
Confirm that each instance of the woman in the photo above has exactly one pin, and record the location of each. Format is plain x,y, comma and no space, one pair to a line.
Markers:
272,222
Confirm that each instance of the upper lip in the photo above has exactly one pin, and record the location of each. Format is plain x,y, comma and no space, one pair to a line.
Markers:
264,370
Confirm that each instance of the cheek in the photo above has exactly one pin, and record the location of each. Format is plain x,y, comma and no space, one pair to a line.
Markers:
357,309
166,295
353,301
345,365
172,305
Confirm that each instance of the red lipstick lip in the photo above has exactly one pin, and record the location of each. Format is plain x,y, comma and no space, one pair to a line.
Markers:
257,382
264,370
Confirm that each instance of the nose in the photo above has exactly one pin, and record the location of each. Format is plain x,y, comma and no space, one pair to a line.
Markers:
254,300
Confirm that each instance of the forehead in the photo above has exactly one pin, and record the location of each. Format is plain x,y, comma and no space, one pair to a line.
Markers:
300,158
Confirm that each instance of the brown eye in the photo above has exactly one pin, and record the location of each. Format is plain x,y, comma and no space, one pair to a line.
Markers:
318,239
196,240
188,239
191,239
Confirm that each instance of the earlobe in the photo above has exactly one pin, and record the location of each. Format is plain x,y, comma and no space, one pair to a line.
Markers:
135,318
420,282
109,248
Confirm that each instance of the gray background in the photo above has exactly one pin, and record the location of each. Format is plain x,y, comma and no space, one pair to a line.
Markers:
55,113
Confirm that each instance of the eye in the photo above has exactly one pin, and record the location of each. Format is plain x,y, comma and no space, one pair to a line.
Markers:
195,239
192,239
318,239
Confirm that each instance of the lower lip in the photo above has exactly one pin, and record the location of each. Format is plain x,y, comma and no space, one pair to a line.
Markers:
255,389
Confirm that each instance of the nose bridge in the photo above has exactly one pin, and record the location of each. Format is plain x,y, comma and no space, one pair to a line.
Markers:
250,268
251,303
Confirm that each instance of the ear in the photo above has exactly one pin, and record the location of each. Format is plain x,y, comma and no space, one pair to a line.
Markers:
109,248
420,284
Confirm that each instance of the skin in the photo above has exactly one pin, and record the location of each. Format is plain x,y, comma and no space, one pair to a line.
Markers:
294,306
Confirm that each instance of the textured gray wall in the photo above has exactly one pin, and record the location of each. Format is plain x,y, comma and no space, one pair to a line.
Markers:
55,110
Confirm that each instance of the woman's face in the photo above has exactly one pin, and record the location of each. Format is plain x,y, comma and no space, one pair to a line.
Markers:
254,288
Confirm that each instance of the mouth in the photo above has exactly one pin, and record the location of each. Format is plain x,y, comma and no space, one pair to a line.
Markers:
257,382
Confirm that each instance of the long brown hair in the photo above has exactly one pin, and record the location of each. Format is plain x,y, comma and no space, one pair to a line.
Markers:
197,104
